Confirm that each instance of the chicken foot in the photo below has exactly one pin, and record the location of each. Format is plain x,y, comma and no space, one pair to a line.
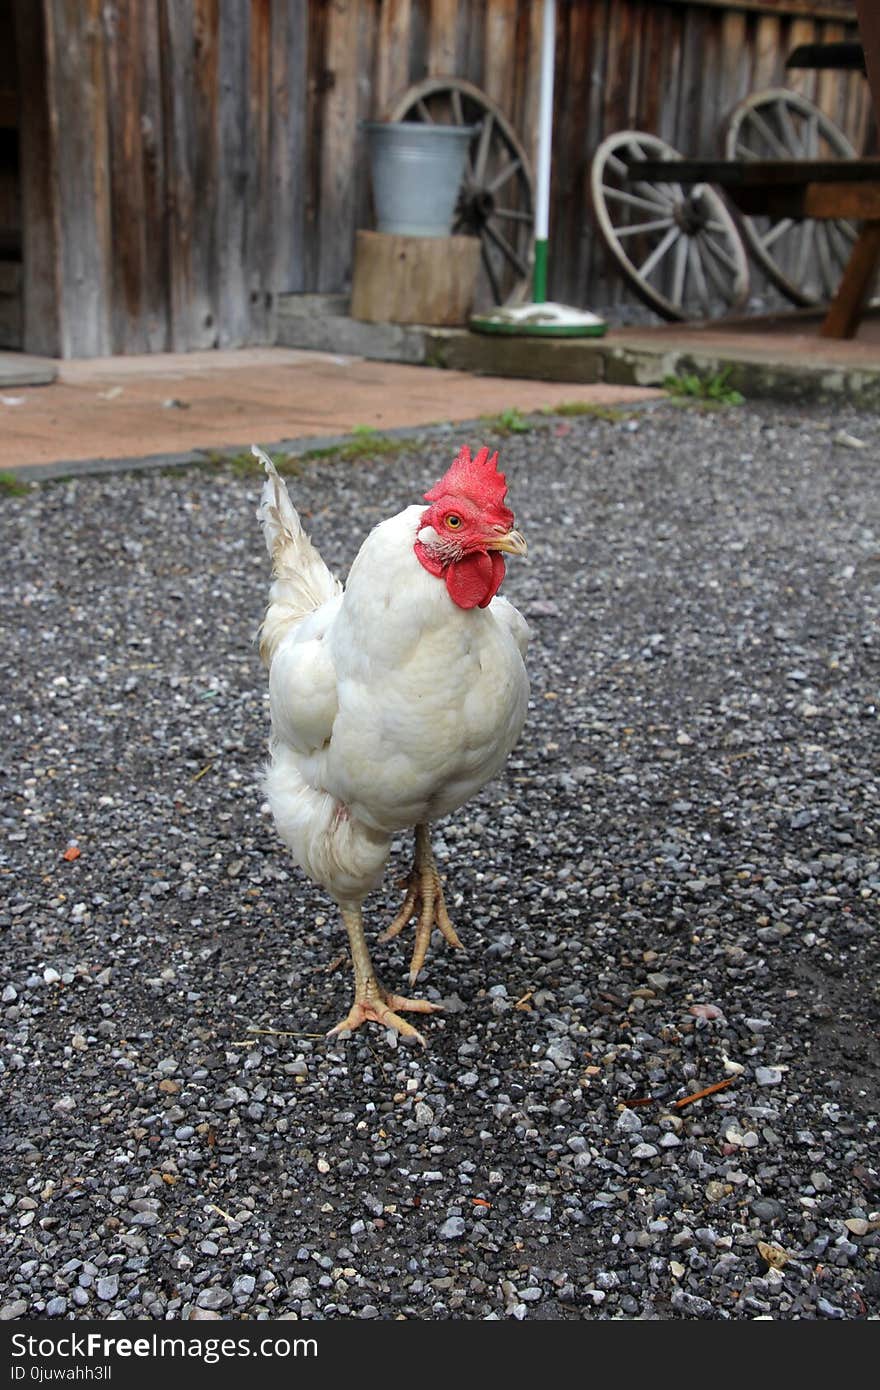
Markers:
424,900
372,1003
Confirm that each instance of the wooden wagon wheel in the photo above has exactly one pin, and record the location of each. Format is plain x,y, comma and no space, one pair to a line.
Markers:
678,247
804,259
496,202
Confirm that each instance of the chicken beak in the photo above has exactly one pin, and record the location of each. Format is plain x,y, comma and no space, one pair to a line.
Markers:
512,543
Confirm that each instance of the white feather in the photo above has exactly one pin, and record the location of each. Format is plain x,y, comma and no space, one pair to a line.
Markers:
302,582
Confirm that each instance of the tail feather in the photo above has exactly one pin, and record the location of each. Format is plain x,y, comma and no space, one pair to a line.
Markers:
301,580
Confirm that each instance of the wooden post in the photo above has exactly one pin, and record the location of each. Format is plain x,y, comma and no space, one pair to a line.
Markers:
845,311
869,31
414,279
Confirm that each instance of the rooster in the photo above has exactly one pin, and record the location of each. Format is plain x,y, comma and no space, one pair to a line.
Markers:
392,700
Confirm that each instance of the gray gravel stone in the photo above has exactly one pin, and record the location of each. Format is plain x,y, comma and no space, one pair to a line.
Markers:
214,1299
673,882
454,1227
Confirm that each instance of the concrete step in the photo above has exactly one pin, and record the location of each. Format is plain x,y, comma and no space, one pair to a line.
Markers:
21,369
775,358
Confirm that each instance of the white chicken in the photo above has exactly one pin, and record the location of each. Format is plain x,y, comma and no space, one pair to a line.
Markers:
392,701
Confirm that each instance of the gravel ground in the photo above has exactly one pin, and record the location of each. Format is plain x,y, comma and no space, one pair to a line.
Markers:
675,884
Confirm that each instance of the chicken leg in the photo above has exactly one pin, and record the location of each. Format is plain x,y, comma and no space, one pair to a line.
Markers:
424,900
371,1001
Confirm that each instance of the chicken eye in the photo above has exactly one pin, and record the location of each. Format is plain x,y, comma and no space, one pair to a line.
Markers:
453,521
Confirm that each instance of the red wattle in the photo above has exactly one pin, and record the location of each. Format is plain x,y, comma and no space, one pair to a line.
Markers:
473,581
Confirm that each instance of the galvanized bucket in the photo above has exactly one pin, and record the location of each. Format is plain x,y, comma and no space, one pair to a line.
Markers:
417,171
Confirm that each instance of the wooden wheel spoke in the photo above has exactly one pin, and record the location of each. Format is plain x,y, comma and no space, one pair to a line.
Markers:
693,253
793,142
723,256
659,252
679,272
638,227
713,270
506,249
827,277
807,240
425,114
840,240
490,271
778,229
483,150
777,146
457,109
513,214
506,173
811,137
619,195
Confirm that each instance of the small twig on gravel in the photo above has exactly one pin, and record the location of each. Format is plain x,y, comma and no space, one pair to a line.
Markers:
523,1003
199,775
685,1100
273,1033
707,1091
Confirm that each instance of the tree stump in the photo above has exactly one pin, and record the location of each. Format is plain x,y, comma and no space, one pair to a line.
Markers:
414,279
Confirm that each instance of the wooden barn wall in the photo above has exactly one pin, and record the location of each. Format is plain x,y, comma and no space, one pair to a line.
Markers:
208,154
179,156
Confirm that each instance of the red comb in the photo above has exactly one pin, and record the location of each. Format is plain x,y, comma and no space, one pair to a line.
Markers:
478,479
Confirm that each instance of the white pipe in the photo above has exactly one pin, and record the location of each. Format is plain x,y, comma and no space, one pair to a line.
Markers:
545,121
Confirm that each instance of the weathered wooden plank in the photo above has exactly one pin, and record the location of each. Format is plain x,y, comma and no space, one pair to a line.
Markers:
803,80
499,63
442,38
579,47
234,173
318,82
41,268
392,55
128,225
528,78
78,90
176,29
289,168
734,69
139,268
767,69
155,296
258,222
668,74
366,66
340,147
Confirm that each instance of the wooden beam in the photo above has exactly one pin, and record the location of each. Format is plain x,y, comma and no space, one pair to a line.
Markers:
842,10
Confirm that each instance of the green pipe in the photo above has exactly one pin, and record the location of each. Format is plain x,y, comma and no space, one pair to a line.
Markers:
540,278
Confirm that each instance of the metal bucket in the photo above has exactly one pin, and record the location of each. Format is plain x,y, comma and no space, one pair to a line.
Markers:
417,171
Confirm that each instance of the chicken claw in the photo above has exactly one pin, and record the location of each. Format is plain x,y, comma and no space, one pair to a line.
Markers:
424,900
372,1003
381,1009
